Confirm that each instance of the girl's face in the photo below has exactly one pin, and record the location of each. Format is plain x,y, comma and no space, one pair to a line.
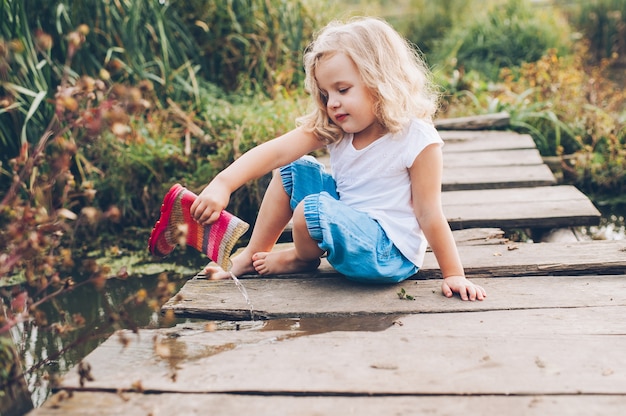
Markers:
349,103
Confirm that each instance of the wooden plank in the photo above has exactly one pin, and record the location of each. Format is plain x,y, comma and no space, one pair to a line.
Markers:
538,259
507,168
468,236
479,236
93,403
477,143
492,158
539,207
479,122
487,254
535,207
472,141
317,296
496,177
506,352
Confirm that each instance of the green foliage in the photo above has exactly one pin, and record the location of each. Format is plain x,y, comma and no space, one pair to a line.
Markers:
25,81
403,295
579,111
603,25
132,40
568,108
252,44
430,22
178,121
257,44
129,41
247,123
7,358
506,36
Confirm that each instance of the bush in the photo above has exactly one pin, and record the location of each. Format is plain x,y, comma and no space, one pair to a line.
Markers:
153,132
568,107
253,44
603,24
132,40
132,171
429,22
27,83
506,36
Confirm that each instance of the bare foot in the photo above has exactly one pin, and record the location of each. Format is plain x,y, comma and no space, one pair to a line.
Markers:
242,264
280,262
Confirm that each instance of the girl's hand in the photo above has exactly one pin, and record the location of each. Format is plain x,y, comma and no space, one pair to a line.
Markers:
466,289
210,203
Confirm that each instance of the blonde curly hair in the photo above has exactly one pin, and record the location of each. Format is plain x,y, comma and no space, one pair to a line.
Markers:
391,68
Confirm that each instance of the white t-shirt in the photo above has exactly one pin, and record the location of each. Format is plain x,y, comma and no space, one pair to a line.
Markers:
376,180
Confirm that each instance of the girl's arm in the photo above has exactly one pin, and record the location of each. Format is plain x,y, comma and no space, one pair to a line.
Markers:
426,175
253,164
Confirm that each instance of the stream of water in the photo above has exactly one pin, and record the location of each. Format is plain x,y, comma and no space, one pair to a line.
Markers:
244,293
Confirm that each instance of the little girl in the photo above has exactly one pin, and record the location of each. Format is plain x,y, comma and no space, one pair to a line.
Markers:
381,207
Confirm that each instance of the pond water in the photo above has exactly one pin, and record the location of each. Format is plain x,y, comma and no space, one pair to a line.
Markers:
55,353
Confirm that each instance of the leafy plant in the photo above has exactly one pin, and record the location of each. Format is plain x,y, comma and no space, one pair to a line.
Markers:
46,200
405,296
25,81
602,24
253,44
568,107
132,40
427,23
507,36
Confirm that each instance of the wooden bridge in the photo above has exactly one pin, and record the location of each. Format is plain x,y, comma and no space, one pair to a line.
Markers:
549,339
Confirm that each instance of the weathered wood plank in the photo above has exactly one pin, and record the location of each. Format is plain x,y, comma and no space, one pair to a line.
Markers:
496,177
479,141
336,296
546,207
472,141
468,236
492,158
506,352
538,259
93,403
470,175
479,236
465,237
479,122
537,205
490,169
486,254
490,153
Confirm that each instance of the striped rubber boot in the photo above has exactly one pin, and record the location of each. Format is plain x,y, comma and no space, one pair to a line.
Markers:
175,226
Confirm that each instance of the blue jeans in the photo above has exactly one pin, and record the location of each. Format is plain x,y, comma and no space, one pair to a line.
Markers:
356,245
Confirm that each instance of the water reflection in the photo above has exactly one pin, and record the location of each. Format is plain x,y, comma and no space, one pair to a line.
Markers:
51,350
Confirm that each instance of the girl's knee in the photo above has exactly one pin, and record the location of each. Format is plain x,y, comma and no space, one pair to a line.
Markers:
298,219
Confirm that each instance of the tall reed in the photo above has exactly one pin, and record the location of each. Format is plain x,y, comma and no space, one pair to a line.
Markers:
253,43
26,79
